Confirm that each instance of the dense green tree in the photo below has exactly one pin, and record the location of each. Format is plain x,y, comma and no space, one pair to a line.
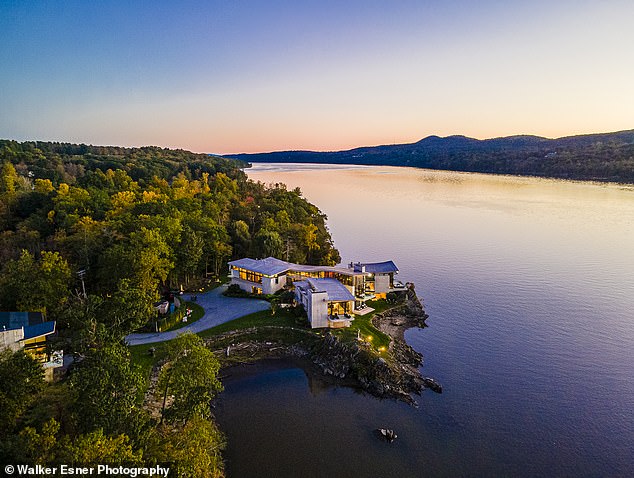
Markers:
108,389
190,253
190,376
30,285
46,447
95,448
241,238
31,446
83,325
193,451
21,379
269,243
128,308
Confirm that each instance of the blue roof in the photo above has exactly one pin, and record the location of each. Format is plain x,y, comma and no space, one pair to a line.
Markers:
380,267
17,320
39,330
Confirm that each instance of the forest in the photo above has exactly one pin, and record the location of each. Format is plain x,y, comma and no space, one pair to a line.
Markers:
133,224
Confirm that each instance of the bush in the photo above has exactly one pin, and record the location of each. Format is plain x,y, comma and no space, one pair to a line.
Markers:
287,297
234,290
394,298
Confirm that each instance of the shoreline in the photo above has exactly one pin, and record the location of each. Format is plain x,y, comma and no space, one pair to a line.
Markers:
391,374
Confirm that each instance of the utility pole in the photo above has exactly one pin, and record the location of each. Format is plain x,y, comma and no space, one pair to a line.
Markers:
81,273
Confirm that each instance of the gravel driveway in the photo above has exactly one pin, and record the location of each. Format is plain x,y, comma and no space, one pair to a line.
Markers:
218,310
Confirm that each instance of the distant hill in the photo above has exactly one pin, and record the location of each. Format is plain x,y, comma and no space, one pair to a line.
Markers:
599,157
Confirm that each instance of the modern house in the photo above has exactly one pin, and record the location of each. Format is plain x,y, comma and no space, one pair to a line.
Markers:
330,295
267,276
28,331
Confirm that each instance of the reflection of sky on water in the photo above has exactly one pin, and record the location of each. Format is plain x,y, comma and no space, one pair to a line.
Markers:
529,284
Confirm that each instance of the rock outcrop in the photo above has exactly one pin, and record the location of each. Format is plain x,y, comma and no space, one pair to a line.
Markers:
391,374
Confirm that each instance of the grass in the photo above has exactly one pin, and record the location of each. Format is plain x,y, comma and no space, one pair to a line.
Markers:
362,326
140,356
256,319
197,313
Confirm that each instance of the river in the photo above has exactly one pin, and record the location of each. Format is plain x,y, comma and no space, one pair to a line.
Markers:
529,284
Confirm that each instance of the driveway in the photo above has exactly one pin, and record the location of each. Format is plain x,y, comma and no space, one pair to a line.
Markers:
218,310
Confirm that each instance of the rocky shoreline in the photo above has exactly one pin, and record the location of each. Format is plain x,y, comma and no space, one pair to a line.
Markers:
391,374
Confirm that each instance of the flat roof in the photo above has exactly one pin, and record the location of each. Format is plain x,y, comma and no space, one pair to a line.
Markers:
336,291
17,320
380,267
39,330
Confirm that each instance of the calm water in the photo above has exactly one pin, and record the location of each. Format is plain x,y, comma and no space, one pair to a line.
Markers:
529,285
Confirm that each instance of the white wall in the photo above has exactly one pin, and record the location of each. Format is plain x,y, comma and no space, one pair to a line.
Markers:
318,313
10,339
381,283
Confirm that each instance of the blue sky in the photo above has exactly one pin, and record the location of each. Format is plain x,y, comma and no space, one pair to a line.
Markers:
259,76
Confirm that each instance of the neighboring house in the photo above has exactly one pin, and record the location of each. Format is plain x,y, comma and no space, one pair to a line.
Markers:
328,294
28,331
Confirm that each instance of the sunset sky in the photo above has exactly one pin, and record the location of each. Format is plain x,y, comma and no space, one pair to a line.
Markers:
247,76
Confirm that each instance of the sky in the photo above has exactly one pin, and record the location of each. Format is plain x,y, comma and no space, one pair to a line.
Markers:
252,76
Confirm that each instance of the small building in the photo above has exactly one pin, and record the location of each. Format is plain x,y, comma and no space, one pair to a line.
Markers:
28,331
327,302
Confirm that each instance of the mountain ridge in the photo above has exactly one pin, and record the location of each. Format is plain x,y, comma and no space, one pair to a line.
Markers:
593,156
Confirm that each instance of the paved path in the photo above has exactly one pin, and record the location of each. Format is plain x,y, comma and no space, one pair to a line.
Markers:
218,310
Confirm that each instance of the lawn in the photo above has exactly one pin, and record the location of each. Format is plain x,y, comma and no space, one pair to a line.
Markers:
362,327
197,313
256,319
140,356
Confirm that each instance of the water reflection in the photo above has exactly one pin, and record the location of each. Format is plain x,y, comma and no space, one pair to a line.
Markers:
529,284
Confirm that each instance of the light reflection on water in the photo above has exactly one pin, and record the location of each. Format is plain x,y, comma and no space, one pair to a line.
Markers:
529,284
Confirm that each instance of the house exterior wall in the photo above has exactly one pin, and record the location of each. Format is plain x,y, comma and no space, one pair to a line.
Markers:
381,283
269,285
10,339
318,309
